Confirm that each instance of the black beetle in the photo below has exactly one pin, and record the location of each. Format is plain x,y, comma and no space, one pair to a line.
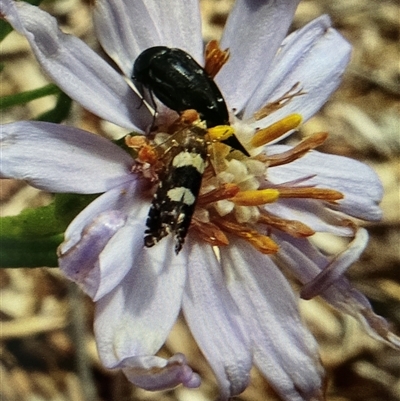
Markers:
179,82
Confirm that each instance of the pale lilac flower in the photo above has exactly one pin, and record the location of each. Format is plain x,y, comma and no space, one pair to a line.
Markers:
239,306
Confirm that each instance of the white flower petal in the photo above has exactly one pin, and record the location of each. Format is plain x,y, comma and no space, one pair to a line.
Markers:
122,249
77,264
137,316
315,57
358,183
118,198
253,34
77,69
284,350
155,373
98,274
59,158
215,322
306,262
125,28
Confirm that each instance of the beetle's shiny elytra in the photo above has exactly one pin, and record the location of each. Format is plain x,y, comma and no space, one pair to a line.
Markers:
180,83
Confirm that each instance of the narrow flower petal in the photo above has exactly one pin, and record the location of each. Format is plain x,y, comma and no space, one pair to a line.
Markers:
358,183
253,34
215,322
337,267
155,373
101,275
121,250
126,28
77,264
77,69
306,262
315,57
59,158
135,318
118,198
283,349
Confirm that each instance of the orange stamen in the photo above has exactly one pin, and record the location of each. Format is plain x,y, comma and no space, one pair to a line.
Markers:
226,191
262,243
298,151
210,233
146,153
269,108
292,227
186,119
135,141
329,195
215,58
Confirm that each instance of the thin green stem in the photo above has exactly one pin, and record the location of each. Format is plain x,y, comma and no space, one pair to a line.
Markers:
25,97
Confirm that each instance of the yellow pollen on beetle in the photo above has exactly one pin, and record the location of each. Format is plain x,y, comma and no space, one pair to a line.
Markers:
220,132
276,130
255,197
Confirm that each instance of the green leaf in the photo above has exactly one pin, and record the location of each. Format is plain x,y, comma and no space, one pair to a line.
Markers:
33,2
60,111
5,29
21,252
68,206
32,223
25,97
56,115
31,238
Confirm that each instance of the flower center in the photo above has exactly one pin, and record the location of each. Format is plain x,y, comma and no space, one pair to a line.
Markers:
214,178
235,188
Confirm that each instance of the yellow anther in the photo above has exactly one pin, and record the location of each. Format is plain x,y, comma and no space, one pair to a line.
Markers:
220,132
276,130
255,197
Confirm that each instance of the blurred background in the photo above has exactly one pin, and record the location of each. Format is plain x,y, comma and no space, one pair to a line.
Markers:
47,350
